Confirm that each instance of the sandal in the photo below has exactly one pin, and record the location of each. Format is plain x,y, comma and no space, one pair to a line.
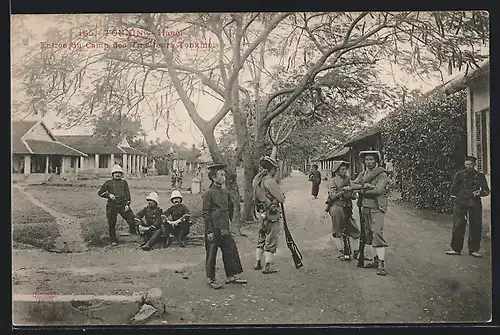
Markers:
371,265
236,281
341,257
381,272
215,285
268,271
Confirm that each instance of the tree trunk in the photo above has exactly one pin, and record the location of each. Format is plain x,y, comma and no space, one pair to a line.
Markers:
251,166
250,171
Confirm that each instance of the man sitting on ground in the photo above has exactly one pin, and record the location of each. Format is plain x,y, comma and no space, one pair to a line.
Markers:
175,220
150,227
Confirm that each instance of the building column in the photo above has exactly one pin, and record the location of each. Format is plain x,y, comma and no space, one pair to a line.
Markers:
82,162
112,160
47,164
96,162
76,164
124,162
62,164
135,162
27,164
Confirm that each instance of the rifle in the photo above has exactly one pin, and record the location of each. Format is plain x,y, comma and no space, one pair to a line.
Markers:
362,242
345,237
296,255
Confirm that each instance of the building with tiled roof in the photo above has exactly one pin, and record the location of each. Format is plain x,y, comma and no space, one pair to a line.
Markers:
104,153
35,150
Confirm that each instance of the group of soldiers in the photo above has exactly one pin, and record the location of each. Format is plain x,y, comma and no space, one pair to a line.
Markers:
369,188
151,222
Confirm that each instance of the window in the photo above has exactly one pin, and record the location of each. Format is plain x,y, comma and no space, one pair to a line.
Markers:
103,161
482,145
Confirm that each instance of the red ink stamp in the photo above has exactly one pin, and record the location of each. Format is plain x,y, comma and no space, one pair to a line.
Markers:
44,291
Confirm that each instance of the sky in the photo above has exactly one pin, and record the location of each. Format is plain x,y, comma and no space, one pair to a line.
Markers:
184,130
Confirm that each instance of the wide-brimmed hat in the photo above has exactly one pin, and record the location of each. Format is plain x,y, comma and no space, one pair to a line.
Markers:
153,196
175,194
375,153
216,166
116,168
338,164
274,162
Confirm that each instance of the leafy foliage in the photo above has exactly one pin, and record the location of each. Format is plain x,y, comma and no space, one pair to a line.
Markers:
116,126
427,141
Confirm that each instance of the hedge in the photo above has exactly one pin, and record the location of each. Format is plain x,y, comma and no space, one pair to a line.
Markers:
426,140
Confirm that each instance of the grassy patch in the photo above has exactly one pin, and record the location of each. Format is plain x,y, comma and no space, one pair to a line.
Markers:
24,211
40,235
31,225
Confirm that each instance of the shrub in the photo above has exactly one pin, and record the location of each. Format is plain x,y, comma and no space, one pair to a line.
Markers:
40,235
95,231
427,142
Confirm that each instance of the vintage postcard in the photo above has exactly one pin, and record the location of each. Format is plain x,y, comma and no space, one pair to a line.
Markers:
251,168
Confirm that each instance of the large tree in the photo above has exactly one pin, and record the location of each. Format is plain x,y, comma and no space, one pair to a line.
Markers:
212,52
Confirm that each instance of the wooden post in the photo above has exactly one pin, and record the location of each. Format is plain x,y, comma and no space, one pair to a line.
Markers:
47,164
96,163
27,164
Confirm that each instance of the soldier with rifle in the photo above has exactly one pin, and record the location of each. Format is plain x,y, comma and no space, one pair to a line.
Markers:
339,206
373,183
267,197
218,211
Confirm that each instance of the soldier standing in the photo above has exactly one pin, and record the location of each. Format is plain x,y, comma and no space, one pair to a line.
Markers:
340,209
218,210
315,178
467,188
373,183
118,194
268,197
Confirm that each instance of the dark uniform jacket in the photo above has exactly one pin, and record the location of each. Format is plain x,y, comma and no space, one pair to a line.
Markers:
316,177
218,208
152,216
175,212
465,182
117,187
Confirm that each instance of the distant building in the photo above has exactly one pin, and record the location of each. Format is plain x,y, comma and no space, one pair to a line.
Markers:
326,161
36,151
102,154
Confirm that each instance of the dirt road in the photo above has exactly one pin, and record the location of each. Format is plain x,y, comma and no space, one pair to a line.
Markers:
423,284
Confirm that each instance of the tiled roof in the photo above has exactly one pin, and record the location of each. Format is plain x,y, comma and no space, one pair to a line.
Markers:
90,145
95,145
52,148
375,129
336,153
132,151
21,127
331,154
18,146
